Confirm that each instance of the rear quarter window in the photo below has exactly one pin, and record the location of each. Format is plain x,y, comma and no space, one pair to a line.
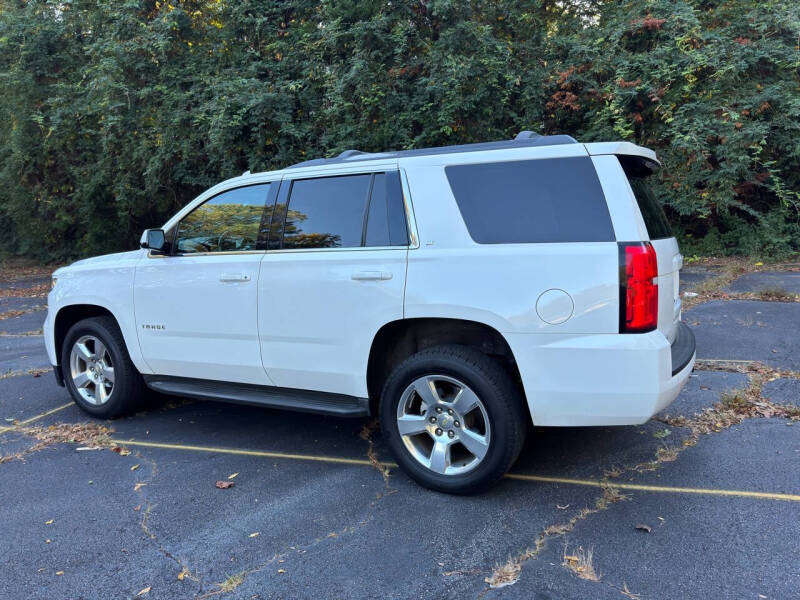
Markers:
532,201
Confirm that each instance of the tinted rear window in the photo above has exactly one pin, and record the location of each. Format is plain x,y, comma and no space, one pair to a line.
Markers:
654,218
326,212
528,201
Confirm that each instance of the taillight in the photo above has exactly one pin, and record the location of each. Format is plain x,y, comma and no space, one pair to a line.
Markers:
638,289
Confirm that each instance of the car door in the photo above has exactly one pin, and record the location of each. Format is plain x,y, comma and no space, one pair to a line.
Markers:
196,308
332,277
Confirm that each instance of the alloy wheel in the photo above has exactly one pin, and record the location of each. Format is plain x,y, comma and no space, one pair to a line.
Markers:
443,424
92,370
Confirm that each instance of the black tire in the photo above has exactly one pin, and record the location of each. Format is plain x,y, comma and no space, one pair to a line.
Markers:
128,388
500,395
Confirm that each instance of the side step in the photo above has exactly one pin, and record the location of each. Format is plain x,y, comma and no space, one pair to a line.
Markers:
275,397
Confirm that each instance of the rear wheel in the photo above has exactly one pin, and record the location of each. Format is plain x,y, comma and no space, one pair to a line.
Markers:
454,419
98,371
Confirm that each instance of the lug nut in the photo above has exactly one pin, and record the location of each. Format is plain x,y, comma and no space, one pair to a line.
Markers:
432,419
438,409
451,434
456,423
449,411
438,431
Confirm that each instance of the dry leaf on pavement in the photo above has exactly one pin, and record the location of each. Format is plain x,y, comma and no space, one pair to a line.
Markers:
223,485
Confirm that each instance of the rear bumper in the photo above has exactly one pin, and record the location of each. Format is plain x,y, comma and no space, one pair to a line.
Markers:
604,379
683,348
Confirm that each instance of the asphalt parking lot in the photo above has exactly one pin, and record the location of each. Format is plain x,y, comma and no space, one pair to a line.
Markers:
703,500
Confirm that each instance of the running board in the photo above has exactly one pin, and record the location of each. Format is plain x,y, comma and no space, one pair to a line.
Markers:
261,395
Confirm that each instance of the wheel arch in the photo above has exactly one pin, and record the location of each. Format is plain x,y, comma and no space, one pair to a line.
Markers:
397,340
70,314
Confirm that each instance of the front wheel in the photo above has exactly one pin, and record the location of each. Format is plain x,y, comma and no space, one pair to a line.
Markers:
98,371
454,419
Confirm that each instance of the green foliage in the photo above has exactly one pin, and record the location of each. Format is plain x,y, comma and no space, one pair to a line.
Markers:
118,113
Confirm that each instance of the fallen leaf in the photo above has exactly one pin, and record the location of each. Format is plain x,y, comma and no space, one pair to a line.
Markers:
255,534
223,485
137,508
183,574
559,507
87,448
50,522
121,451
760,264
134,467
47,541
232,476
59,573
281,570
144,591
138,486
644,527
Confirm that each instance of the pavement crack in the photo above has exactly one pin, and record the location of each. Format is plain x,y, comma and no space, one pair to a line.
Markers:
366,434
508,573
184,571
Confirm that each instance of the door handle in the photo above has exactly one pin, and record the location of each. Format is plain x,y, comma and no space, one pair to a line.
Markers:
371,275
234,277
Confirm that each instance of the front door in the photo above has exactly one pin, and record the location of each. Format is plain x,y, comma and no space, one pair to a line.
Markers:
335,276
196,309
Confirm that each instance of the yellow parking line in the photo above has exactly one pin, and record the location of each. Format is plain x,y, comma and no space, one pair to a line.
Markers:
36,418
263,454
518,476
659,488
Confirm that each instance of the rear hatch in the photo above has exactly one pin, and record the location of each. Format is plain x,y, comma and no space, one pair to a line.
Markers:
639,172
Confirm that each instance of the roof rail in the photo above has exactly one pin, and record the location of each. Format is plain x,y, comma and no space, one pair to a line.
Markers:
349,153
524,139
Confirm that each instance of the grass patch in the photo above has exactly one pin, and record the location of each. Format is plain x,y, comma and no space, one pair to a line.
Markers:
580,562
231,583
505,574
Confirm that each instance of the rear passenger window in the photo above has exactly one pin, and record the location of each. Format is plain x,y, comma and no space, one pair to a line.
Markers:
326,212
347,211
529,201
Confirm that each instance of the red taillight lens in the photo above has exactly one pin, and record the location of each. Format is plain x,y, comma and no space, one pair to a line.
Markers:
638,288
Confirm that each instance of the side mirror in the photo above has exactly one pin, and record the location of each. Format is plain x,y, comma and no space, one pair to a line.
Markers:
154,239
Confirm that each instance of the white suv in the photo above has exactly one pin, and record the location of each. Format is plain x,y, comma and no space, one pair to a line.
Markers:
457,292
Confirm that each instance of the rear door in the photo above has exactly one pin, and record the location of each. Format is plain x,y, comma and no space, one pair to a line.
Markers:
333,276
664,243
